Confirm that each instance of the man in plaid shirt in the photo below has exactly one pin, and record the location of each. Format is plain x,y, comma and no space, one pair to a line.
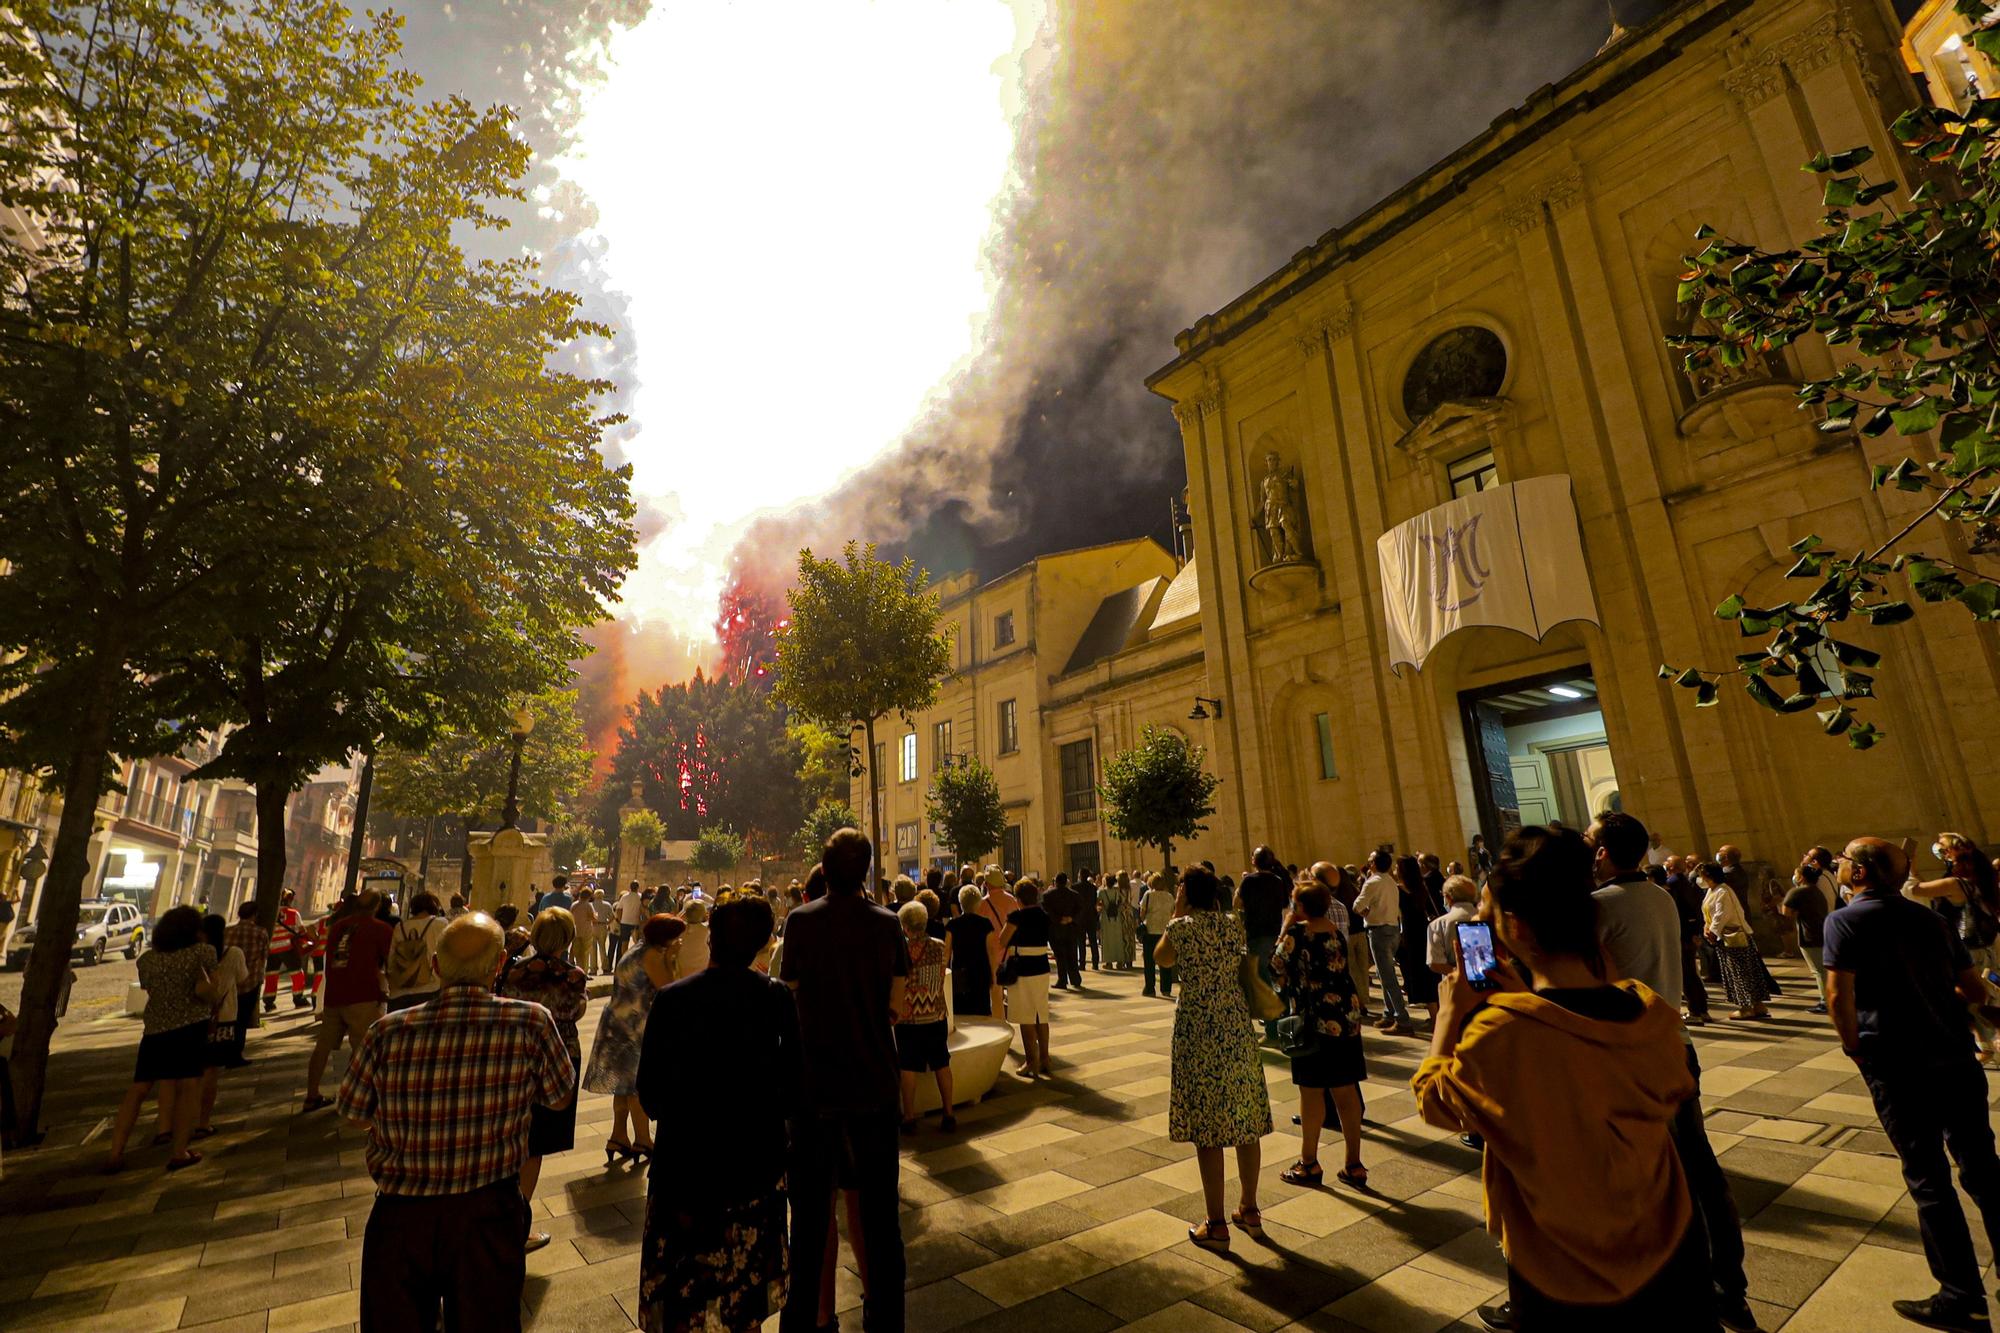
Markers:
255,942
445,1089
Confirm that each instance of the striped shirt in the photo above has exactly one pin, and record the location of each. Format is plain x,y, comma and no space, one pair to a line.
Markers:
446,1088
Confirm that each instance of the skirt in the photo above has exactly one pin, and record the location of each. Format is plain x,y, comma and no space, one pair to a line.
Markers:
225,1043
713,1268
180,1052
1743,976
1338,1063
551,1131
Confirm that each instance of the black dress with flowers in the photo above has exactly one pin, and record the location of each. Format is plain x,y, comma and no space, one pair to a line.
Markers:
1309,971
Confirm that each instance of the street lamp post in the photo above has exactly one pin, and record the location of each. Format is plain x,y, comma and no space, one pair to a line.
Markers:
524,722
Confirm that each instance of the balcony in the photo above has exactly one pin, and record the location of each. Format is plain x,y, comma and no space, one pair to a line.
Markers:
236,833
155,812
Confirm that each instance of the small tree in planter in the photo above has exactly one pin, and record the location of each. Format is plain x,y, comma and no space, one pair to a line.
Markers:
964,804
717,850
1158,792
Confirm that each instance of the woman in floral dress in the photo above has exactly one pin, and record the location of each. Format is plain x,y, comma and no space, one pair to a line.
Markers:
614,1056
1309,971
1217,1097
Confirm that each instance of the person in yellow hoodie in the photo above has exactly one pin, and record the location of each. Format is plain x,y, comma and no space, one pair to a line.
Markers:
1573,1083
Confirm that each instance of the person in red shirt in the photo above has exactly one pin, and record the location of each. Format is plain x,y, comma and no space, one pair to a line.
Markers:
357,993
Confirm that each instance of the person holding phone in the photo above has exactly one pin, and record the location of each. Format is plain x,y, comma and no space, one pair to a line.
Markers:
1574,1086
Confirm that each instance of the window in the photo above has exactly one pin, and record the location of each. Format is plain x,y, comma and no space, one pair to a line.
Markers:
1474,473
1003,629
1010,850
909,768
1323,731
1079,786
940,744
1010,729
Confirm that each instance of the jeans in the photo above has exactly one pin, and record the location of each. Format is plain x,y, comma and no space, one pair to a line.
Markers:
1815,956
624,940
1090,942
459,1253
1382,942
867,1145
1714,1205
1147,939
1926,1110
1261,947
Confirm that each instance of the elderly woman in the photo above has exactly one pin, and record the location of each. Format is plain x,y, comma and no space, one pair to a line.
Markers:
714,1250
614,1056
996,905
971,967
550,978
1027,939
923,1033
1216,1098
1726,927
1115,920
181,994
694,945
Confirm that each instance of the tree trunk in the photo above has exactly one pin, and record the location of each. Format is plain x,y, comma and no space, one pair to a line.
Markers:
56,915
465,859
424,861
272,796
874,813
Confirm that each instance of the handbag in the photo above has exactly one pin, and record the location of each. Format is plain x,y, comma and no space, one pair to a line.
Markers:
1263,1002
1298,1036
1009,970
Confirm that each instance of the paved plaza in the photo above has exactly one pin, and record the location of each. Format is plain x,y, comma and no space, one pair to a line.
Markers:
1057,1206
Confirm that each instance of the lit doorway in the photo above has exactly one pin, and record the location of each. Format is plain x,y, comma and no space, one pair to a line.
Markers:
1538,752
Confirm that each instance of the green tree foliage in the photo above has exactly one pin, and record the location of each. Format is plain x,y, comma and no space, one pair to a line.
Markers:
964,804
826,760
643,829
863,643
708,751
717,850
577,845
1158,793
827,818
465,774
1911,291
272,446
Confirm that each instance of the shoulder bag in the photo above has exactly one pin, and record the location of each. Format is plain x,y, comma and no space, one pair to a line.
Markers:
1263,1002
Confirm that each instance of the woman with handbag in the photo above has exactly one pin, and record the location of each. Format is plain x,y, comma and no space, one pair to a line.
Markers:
1969,898
1216,1098
1320,1032
1728,929
1024,971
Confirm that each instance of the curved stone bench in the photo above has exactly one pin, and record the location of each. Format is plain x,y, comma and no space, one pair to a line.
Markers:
978,1052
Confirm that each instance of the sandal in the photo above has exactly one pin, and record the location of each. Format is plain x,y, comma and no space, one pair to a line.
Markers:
315,1103
1250,1219
1356,1176
162,1140
1213,1235
1302,1172
178,1163
202,1132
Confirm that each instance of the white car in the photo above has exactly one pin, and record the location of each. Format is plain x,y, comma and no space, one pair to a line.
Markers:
102,927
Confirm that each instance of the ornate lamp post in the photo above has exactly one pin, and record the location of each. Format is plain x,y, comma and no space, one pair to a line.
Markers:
524,722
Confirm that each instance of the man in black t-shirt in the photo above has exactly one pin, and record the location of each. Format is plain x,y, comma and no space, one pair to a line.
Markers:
1261,900
1065,911
1807,906
845,960
1897,983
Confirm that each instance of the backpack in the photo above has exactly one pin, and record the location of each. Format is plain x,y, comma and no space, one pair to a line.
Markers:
410,957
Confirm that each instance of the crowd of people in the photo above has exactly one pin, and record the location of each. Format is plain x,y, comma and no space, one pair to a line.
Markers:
822,1009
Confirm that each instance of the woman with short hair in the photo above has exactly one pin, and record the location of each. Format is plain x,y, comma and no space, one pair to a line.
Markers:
965,954
1728,929
550,977
923,1033
1309,970
181,992
1026,939
614,1055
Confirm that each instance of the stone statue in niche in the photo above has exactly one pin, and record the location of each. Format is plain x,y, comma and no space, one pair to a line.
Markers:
1281,520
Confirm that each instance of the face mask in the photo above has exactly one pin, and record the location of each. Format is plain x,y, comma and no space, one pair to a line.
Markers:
1937,850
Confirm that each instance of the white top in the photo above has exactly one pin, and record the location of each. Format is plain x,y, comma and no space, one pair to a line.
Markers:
1441,937
432,931
694,949
1377,903
1158,906
1657,856
632,908
601,909
1722,913
230,969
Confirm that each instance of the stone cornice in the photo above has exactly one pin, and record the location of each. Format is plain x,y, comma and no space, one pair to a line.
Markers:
1555,193
1821,43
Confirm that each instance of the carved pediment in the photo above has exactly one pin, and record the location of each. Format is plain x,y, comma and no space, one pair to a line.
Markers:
1454,427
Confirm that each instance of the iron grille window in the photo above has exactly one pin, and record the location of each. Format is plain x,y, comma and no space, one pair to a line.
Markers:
1079,785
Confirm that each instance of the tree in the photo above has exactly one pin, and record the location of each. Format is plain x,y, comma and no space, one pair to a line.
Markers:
643,829
717,850
1158,792
229,324
464,774
1912,290
863,642
964,805
576,845
827,818
826,760
708,751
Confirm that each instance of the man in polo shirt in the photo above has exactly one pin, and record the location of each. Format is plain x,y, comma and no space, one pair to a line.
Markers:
357,948
446,1090
846,962
1897,983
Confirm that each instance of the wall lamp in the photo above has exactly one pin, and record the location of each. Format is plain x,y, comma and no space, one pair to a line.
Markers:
1200,713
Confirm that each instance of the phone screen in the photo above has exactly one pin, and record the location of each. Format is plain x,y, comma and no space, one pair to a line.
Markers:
1475,953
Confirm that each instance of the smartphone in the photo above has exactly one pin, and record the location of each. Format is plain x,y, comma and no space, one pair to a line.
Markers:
1475,954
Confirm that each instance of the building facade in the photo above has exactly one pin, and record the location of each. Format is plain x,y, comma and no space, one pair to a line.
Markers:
1503,317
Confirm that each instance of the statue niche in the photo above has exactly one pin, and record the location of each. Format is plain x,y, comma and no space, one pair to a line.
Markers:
1278,522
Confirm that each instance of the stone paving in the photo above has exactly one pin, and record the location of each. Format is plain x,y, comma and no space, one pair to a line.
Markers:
1057,1206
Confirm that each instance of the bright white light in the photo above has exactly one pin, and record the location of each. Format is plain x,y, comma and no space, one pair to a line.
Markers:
1565,692
797,197
1953,42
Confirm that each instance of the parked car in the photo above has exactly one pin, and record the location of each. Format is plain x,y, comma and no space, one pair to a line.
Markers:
102,927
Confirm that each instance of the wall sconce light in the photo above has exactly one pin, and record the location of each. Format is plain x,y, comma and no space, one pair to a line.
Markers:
1201,714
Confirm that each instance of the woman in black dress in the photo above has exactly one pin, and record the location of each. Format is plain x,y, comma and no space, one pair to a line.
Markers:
1309,971
714,1250
966,956
1420,908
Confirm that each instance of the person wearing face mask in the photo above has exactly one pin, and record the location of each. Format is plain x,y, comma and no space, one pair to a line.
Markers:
1968,897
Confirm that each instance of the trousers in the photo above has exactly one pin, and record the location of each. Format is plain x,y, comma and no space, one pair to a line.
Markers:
1382,942
861,1149
1714,1205
1147,939
455,1255
1926,1111
1068,959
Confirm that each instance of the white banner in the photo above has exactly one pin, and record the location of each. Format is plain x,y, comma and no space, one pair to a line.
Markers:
1509,556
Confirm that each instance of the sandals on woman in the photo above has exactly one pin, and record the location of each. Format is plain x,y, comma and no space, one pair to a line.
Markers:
1303,1172
178,1163
1212,1235
1250,1219
1356,1176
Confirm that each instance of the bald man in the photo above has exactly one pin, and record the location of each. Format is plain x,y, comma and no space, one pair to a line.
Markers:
1898,980
446,1090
